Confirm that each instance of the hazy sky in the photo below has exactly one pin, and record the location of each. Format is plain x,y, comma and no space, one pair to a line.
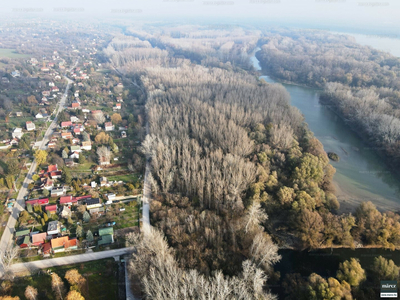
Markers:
357,13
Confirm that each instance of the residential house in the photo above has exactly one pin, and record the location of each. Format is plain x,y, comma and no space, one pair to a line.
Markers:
119,99
15,74
39,116
17,133
53,227
86,146
22,233
104,161
51,145
123,134
66,124
57,191
51,208
51,84
23,242
111,196
46,250
18,114
76,149
75,105
65,212
74,155
55,89
106,236
103,181
67,200
120,85
108,126
74,119
69,162
98,210
75,141
30,126
93,184
56,175
63,243
52,168
48,185
66,135
46,93
92,203
42,201
39,239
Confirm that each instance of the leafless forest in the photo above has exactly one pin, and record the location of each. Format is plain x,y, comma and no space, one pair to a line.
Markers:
235,172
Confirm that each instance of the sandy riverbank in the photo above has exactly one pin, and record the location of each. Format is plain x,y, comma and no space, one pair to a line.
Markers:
349,202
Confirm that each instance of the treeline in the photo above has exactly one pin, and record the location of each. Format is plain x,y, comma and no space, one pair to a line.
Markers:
352,281
153,263
373,111
315,58
360,83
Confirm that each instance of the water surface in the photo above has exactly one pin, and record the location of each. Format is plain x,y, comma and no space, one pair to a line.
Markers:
361,175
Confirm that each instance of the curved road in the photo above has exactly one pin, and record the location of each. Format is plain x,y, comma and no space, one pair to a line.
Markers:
20,202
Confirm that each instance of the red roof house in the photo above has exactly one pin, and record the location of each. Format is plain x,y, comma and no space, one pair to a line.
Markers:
66,124
52,168
39,239
68,200
43,201
51,208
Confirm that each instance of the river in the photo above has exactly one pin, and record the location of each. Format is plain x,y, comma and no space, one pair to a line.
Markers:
361,174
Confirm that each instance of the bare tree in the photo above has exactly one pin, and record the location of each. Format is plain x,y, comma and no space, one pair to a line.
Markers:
31,293
104,154
58,286
254,216
99,117
6,260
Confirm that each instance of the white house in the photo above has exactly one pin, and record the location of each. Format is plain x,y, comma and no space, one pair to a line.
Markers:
53,228
108,126
15,74
17,133
86,146
30,126
51,83
74,155
39,116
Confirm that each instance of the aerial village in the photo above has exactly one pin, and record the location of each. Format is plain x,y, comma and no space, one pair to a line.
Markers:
85,191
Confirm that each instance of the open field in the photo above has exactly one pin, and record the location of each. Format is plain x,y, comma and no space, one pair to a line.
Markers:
10,53
101,277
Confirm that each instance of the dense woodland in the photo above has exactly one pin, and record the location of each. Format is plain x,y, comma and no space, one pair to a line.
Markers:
362,84
235,172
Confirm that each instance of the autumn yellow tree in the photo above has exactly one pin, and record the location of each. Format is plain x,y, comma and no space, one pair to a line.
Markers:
40,156
76,280
102,138
116,118
32,100
74,295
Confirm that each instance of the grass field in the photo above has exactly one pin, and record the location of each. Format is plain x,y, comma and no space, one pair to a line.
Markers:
10,53
101,276
126,178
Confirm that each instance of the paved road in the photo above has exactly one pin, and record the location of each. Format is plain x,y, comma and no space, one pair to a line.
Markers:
67,260
20,202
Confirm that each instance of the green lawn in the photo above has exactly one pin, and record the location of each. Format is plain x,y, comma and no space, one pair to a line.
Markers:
125,178
101,276
11,53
